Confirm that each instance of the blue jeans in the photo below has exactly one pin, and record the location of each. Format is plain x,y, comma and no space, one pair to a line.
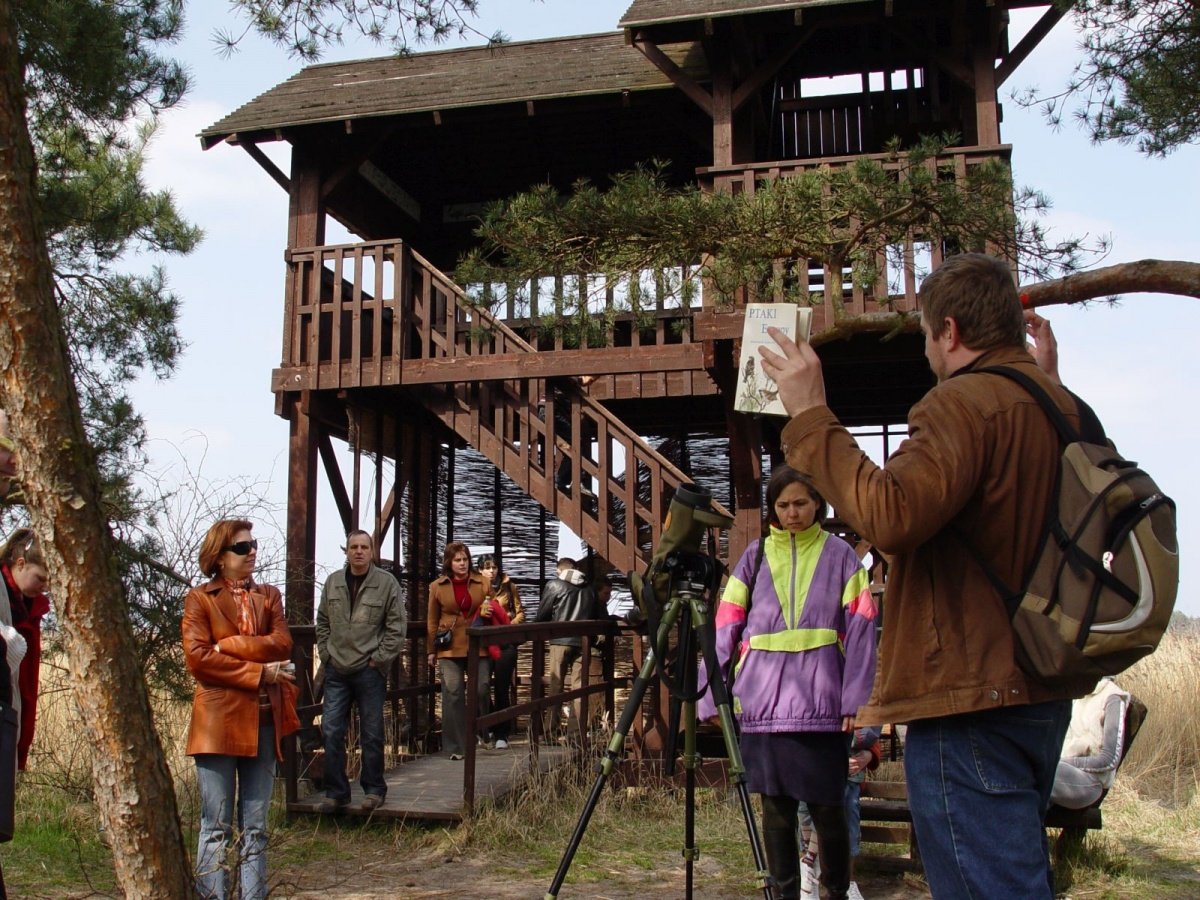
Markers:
218,777
854,814
367,688
978,787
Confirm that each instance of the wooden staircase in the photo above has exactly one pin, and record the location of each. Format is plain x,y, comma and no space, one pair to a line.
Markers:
393,319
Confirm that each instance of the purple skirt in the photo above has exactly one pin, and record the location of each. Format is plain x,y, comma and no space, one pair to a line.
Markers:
808,766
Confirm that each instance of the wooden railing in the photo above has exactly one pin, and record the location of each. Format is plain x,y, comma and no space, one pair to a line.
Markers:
404,712
378,314
901,267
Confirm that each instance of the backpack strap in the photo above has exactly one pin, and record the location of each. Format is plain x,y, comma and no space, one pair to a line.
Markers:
1067,433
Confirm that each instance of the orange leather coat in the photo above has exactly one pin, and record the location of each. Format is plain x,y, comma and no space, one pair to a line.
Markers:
444,613
228,668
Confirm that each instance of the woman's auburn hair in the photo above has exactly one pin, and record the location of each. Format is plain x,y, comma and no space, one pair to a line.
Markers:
452,550
220,535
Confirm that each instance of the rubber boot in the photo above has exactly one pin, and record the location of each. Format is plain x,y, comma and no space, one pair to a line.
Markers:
783,860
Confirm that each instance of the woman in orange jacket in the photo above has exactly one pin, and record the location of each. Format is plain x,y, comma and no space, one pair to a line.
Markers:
454,600
236,643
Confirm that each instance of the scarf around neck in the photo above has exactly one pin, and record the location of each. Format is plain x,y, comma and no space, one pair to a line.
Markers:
241,596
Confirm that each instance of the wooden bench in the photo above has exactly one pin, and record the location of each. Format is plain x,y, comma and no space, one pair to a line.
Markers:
886,818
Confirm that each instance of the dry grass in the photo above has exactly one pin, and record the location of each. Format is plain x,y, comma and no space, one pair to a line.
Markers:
1149,846
1164,762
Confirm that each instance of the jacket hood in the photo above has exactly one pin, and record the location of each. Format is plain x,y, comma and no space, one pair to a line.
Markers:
574,576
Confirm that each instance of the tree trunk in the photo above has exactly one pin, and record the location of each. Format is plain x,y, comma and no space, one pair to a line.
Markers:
132,785
1154,276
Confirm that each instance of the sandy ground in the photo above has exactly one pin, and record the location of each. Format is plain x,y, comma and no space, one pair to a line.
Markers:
437,876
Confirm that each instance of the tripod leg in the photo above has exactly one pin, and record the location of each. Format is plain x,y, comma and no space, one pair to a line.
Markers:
612,753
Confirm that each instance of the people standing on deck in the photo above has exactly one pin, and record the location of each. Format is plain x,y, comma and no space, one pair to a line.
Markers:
796,635
361,623
502,590
455,599
237,646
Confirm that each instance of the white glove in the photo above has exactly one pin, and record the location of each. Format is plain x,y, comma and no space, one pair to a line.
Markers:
16,645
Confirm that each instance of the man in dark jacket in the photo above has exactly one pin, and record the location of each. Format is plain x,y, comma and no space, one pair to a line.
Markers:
978,468
567,598
361,623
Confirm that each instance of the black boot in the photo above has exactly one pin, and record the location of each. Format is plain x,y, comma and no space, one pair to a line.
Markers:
783,859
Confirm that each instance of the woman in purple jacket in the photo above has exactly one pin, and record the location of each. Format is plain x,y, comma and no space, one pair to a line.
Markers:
797,625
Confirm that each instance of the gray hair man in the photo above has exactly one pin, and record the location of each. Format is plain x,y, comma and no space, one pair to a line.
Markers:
361,623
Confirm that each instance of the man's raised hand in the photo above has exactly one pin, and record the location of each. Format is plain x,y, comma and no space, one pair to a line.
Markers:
796,369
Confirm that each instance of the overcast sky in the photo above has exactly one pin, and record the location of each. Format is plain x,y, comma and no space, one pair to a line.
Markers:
1134,363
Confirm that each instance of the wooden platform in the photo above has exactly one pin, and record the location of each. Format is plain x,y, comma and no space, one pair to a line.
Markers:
432,787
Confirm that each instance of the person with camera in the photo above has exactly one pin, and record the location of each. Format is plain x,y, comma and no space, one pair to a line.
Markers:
455,598
237,645
361,622
796,636
502,591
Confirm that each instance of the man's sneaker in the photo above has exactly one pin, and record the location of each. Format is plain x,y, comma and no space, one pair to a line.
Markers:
372,802
456,756
501,744
854,893
810,876
329,805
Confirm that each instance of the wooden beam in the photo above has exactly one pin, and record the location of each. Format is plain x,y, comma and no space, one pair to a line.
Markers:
769,68
561,363
693,90
301,513
351,163
268,166
722,103
948,64
1019,53
336,485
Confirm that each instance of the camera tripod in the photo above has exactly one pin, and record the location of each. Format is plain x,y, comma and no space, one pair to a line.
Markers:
689,607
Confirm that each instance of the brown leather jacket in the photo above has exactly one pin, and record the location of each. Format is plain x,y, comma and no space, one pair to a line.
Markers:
981,457
228,668
444,612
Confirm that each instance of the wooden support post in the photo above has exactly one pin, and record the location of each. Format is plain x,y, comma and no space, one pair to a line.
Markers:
301,512
722,103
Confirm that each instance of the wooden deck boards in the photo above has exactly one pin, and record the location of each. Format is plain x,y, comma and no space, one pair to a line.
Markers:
431,787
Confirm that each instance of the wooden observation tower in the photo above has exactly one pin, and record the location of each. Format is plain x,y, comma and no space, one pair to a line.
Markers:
384,351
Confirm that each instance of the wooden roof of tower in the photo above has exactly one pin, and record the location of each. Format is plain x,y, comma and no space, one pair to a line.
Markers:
452,79
659,12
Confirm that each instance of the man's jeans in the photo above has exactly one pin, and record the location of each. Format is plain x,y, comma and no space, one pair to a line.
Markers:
978,787
218,778
365,687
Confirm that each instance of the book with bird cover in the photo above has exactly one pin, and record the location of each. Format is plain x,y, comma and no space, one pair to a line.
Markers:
756,391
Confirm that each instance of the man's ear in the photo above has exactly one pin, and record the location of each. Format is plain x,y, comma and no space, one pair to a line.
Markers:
951,334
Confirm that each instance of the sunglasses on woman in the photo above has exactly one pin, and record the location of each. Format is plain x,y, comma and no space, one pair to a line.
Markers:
241,548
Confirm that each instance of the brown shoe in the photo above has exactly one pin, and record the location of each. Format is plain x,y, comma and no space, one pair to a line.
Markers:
371,802
329,805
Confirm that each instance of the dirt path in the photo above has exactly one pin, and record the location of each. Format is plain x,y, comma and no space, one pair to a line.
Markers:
419,877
